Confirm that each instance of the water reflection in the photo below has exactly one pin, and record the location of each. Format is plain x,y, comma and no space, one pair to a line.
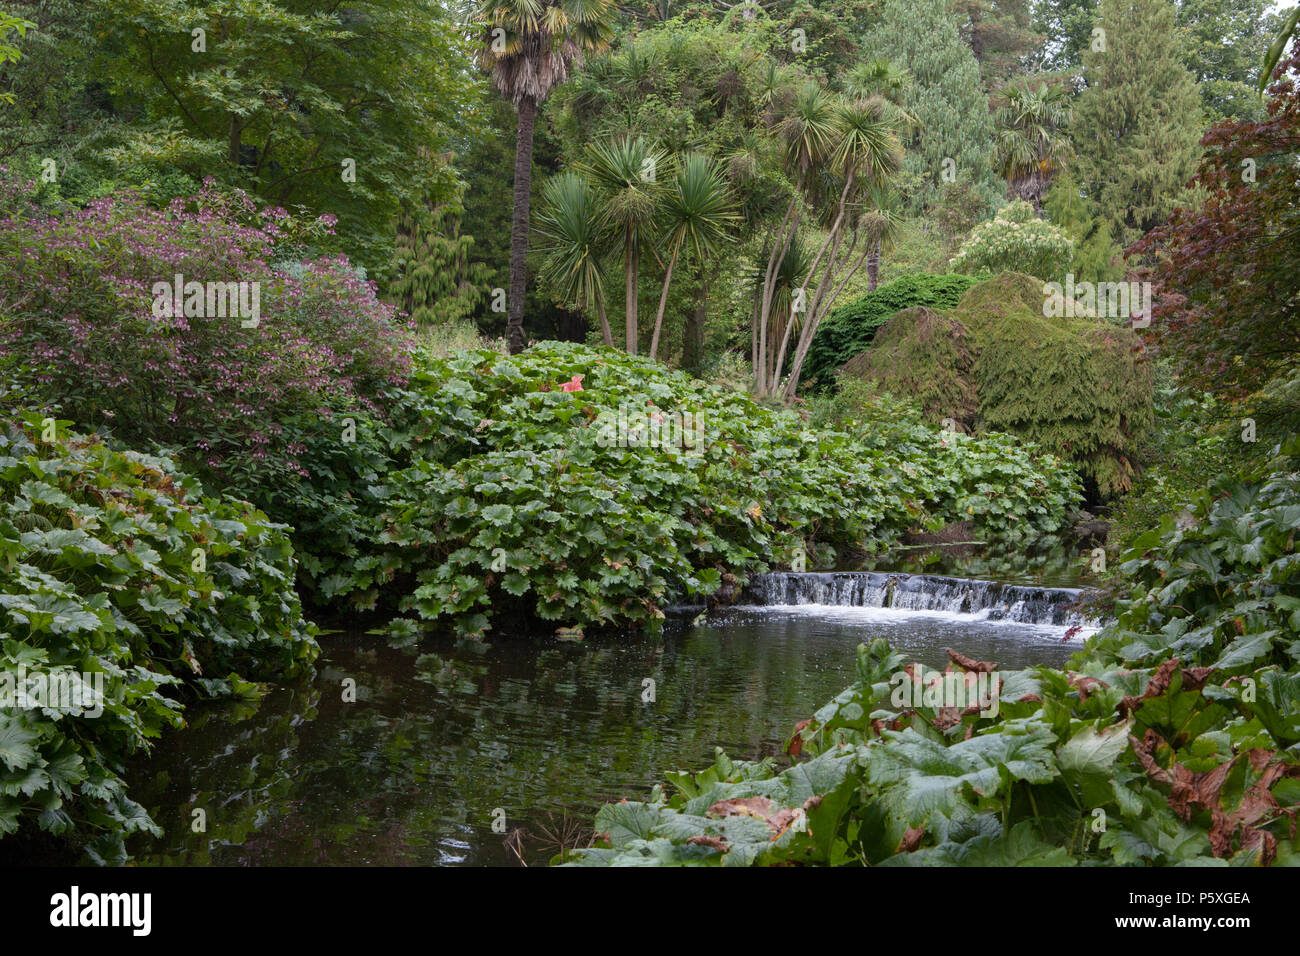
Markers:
412,772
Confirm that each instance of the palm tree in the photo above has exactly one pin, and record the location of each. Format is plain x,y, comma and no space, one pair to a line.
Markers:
698,208
883,78
568,222
882,223
531,46
866,154
627,172
1031,142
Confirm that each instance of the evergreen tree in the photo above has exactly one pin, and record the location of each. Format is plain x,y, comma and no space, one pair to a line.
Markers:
945,97
1138,122
433,279
1096,256
999,35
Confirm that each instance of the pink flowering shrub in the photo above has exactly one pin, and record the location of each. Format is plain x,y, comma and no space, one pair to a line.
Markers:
83,327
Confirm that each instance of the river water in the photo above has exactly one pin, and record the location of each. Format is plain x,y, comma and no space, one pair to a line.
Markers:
534,731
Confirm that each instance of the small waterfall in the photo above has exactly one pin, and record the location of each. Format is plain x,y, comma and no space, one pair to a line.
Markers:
922,592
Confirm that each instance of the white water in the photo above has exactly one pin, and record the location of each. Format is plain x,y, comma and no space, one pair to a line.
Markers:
867,598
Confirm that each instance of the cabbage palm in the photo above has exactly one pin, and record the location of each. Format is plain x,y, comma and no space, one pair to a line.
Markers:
698,208
531,46
627,173
883,78
867,155
568,223
1031,141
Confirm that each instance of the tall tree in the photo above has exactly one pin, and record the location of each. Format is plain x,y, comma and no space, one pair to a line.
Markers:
955,135
697,211
1138,122
1000,35
531,46
1222,42
626,173
1032,141
1067,26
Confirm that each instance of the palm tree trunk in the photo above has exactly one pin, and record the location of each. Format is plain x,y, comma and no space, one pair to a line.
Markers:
605,333
519,227
663,301
629,299
873,266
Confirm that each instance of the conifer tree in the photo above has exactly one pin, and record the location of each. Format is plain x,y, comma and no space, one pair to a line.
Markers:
1138,122
953,141
433,278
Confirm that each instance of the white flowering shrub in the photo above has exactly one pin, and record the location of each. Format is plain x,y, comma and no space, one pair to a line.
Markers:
1015,241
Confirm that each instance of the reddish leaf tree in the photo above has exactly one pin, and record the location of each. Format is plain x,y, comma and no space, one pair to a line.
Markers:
1228,274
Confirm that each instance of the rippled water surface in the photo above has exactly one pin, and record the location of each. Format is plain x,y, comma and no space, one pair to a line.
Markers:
442,736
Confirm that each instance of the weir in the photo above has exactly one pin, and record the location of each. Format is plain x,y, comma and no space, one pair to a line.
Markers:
990,600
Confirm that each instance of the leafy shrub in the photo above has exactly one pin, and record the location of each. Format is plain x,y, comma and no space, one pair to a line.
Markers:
513,504
849,329
99,576
238,403
1185,764
1015,240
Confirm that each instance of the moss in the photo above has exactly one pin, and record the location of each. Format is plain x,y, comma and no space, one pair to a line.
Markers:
1079,387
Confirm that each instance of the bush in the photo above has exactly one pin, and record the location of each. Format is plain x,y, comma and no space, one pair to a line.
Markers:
515,502
849,330
115,568
1015,241
238,403
1185,764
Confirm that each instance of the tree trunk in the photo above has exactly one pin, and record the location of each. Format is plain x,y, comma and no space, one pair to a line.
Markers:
663,301
693,333
629,298
873,266
519,227
234,136
605,333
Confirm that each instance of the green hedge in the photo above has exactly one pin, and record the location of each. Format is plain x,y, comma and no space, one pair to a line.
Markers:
849,330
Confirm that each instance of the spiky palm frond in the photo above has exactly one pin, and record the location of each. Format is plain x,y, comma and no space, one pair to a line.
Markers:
572,245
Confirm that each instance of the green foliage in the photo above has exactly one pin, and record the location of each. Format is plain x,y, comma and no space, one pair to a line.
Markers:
1138,121
1080,387
1215,586
1134,756
849,329
432,278
115,567
8,52
926,356
1097,258
1017,240
518,502
946,97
